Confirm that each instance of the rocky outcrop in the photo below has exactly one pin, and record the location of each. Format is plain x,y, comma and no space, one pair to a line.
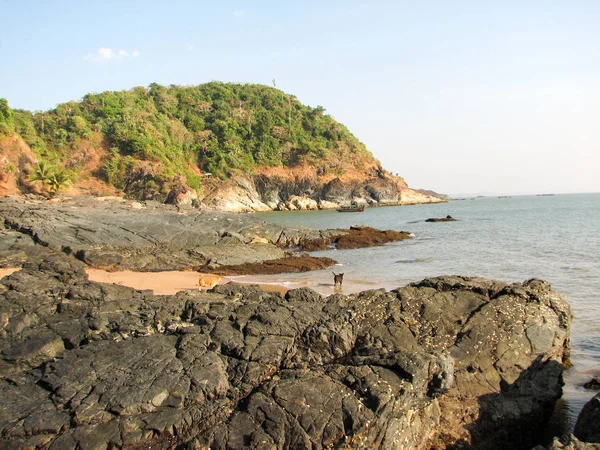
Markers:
263,193
117,234
594,383
447,361
441,219
587,428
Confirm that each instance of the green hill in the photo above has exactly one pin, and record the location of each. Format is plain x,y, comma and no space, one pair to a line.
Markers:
177,134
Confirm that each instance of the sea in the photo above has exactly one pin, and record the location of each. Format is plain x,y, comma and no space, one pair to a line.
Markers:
512,239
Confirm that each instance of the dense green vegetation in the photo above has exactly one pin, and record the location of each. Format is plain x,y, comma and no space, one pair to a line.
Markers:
162,134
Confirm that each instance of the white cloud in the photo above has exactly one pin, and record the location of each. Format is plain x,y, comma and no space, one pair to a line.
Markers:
104,54
191,47
239,13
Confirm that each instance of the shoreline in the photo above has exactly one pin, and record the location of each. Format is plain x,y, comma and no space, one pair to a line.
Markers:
172,282
161,283
165,283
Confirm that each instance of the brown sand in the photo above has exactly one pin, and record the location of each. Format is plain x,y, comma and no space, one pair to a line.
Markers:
162,283
7,271
169,283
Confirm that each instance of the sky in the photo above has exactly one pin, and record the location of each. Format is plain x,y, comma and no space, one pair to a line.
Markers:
462,97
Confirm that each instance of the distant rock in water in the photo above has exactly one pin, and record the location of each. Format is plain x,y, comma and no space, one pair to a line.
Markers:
594,383
441,219
448,361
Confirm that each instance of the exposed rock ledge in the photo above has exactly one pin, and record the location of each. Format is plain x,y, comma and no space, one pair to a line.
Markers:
447,361
116,234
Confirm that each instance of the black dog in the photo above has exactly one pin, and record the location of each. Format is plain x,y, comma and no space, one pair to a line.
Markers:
338,278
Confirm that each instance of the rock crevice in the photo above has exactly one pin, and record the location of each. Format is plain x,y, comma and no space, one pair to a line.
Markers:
90,365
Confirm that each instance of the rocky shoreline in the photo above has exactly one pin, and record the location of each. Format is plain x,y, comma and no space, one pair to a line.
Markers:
443,361
116,234
448,362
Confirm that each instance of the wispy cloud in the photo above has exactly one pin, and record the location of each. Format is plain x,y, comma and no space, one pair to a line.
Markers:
104,54
239,13
191,47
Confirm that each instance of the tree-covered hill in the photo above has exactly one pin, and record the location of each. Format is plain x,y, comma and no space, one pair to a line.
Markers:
153,138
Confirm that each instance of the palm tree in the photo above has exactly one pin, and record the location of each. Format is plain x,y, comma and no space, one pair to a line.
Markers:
58,180
42,173
52,176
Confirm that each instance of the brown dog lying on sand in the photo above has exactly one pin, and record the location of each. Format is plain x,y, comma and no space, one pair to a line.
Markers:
338,279
208,281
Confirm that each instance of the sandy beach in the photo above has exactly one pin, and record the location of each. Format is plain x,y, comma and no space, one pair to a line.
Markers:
171,282
7,271
162,283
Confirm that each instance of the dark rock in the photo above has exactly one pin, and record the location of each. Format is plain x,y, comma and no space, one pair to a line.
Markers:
290,264
594,383
16,247
447,360
360,237
115,234
587,428
100,260
441,219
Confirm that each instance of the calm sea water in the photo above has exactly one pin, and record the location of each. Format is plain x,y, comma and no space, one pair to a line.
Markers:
556,238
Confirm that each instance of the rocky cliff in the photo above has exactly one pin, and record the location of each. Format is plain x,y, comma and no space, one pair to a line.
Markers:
272,192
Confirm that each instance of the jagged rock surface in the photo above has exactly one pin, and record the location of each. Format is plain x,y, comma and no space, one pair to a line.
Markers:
117,234
445,361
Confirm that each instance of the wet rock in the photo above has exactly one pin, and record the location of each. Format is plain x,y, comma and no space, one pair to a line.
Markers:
587,428
441,219
594,383
446,361
359,237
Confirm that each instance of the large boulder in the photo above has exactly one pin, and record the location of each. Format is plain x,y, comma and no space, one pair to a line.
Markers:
447,361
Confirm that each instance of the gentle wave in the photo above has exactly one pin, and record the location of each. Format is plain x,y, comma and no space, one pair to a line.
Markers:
415,260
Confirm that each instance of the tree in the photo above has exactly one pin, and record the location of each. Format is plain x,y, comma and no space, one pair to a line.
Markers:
58,180
7,125
222,128
51,176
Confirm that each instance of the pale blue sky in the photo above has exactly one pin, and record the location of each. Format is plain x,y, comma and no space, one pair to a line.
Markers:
463,97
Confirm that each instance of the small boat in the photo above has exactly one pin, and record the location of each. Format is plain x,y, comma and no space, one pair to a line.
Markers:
352,208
